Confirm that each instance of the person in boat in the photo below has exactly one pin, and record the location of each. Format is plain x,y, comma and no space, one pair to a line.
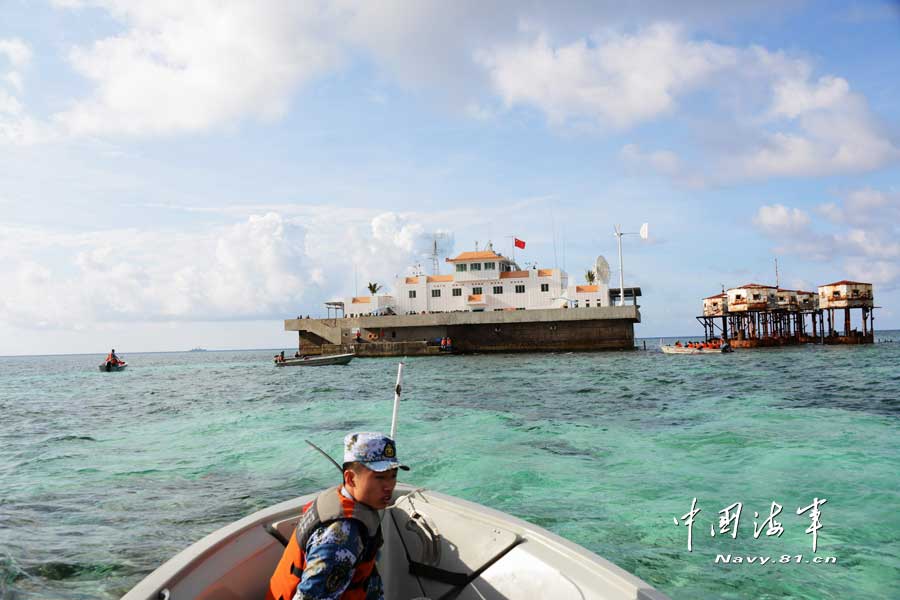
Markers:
678,343
332,551
111,359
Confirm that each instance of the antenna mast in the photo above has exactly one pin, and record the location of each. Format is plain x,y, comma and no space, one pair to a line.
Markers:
435,267
776,273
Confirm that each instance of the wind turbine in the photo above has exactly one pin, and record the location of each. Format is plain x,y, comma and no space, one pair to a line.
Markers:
644,233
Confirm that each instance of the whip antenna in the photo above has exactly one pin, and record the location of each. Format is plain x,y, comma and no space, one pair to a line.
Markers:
325,454
396,402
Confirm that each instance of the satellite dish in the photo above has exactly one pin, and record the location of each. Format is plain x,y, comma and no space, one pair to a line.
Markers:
601,270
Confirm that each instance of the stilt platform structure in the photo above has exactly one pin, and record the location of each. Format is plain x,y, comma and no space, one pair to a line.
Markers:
755,315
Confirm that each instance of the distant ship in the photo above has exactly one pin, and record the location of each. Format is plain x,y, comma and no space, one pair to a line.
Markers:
198,350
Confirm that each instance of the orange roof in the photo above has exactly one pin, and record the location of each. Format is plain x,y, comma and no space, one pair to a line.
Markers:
513,274
753,285
412,280
431,278
582,289
545,272
361,300
845,282
722,295
475,256
807,293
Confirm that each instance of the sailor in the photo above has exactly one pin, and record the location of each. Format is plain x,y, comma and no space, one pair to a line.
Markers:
332,551
111,358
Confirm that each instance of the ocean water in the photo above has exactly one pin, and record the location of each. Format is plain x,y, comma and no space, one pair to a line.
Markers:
103,476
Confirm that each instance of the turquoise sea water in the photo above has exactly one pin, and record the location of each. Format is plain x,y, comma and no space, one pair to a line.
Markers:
103,476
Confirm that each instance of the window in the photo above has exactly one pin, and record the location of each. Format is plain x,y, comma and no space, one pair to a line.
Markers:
738,297
836,294
498,289
520,289
461,267
393,334
545,287
435,293
475,267
756,296
855,293
489,266
476,291
412,293
587,303
457,291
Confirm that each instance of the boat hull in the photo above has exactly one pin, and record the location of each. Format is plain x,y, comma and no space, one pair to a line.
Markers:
495,553
106,368
316,361
684,350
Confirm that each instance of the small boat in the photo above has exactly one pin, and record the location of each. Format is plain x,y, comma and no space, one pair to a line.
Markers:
315,361
686,350
108,367
435,546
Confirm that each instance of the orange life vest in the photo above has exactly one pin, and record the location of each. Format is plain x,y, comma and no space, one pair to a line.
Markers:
329,506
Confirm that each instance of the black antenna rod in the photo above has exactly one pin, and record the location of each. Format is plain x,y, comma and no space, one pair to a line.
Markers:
325,454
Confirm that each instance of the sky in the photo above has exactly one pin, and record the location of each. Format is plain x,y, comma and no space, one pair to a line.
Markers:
189,173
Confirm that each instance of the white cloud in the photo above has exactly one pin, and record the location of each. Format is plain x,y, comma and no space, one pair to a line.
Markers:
866,206
778,219
264,267
866,244
181,67
878,272
17,56
190,65
663,161
794,97
17,52
615,79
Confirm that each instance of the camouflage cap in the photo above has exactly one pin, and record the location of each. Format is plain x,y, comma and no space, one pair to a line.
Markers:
374,451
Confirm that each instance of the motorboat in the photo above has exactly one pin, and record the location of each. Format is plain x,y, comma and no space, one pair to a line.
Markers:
314,361
435,546
694,350
108,366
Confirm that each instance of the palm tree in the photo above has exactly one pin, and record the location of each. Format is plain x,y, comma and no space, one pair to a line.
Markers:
590,277
373,288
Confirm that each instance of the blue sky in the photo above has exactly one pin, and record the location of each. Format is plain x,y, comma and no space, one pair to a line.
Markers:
179,174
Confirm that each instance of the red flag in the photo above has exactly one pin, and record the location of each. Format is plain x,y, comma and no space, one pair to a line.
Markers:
519,243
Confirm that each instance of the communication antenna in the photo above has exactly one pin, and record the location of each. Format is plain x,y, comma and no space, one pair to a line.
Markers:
776,274
644,233
440,245
601,270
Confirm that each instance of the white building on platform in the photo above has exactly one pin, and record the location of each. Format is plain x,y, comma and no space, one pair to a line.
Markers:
484,281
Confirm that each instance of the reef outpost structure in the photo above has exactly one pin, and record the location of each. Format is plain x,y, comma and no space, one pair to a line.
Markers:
488,304
754,315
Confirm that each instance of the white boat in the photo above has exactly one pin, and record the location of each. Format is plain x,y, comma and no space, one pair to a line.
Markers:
686,350
435,546
314,361
109,367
